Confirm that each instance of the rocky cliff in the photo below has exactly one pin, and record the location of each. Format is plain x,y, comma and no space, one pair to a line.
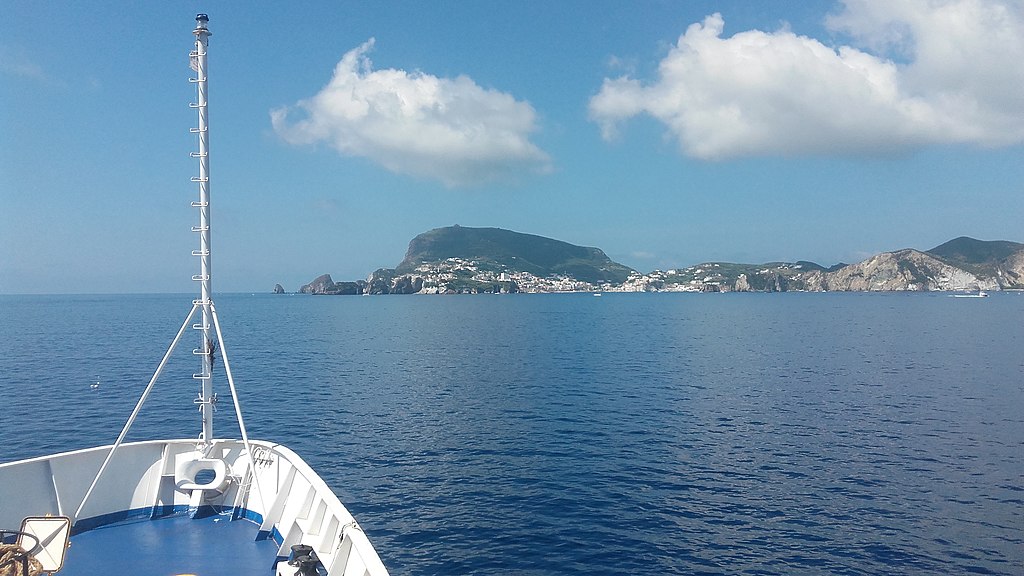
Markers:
893,271
325,285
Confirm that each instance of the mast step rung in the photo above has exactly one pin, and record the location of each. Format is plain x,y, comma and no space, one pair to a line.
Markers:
200,228
201,376
196,80
199,352
200,326
197,130
193,105
201,277
199,302
197,154
200,253
200,179
200,204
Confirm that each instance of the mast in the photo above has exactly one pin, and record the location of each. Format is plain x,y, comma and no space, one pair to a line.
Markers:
209,326
206,352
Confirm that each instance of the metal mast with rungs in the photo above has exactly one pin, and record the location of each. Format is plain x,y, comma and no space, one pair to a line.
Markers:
209,325
206,352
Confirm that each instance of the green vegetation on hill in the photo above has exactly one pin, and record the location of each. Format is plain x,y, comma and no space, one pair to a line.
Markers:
976,256
542,257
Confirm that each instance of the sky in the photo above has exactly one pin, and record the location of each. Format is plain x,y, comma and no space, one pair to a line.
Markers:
666,133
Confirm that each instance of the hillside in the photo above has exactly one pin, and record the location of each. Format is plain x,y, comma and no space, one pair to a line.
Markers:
980,257
970,251
513,252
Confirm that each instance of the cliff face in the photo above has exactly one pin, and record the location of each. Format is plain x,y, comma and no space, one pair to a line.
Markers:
320,285
386,281
902,270
325,285
1012,271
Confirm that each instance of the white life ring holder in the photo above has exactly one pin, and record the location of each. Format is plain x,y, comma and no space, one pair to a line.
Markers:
186,472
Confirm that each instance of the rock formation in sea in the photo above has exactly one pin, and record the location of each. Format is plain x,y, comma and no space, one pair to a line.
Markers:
325,285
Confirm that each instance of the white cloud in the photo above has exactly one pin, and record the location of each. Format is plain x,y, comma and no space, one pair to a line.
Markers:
938,71
642,255
16,63
450,130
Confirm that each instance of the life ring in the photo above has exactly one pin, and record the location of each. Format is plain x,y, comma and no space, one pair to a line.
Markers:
186,472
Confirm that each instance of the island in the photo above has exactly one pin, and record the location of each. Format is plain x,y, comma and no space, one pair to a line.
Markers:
465,260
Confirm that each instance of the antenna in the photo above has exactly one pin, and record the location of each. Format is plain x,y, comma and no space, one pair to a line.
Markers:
207,399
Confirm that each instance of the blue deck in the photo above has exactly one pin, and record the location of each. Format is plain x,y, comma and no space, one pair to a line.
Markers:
212,546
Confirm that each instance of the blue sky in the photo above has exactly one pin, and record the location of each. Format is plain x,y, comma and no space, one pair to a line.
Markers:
666,133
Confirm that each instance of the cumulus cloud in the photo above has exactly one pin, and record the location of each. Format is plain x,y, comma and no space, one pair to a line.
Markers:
450,130
919,72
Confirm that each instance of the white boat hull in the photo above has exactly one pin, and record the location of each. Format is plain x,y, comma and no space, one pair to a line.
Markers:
288,500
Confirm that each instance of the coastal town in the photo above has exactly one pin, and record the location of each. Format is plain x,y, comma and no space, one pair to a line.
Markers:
456,275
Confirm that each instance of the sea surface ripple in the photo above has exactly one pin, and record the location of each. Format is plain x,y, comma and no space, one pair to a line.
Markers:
562,434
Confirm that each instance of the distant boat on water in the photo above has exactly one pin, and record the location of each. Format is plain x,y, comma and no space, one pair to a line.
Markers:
978,294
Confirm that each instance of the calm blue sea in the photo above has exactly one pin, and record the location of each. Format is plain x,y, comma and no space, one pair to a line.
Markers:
566,434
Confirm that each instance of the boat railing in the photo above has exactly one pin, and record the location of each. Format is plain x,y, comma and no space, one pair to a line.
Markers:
306,511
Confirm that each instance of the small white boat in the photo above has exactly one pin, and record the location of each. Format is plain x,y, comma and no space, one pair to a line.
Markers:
204,505
978,294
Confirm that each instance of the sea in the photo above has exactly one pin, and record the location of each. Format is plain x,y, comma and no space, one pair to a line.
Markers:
549,434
